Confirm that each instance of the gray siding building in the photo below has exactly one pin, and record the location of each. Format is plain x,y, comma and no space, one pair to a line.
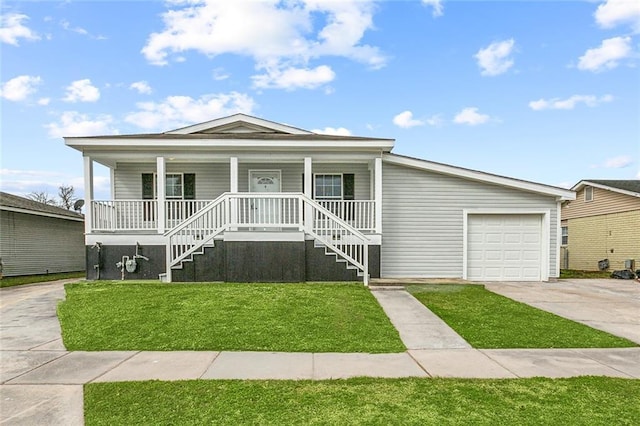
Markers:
36,238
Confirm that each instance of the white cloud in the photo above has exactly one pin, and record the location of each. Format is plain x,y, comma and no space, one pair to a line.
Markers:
142,87
279,36
294,78
495,59
438,8
178,111
336,131
405,120
607,55
73,123
44,101
19,88
435,120
618,162
569,103
79,30
219,74
614,12
82,91
470,116
12,29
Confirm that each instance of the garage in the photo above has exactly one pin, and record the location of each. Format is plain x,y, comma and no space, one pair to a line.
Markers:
505,247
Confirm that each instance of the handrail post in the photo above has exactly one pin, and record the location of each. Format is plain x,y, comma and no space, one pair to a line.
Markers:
365,277
168,260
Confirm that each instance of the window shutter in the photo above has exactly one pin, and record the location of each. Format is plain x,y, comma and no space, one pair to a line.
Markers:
189,186
147,186
348,187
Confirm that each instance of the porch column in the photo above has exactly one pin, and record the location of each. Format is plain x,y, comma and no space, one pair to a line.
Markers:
88,194
233,188
233,178
161,186
378,193
308,191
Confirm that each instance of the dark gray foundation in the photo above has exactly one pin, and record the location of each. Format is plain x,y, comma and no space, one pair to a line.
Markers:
232,261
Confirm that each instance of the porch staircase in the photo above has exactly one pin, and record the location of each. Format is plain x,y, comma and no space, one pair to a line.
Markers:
231,211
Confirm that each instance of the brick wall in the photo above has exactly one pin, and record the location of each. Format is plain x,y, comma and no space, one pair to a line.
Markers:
610,236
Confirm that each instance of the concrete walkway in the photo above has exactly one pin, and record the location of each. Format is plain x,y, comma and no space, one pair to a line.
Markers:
41,382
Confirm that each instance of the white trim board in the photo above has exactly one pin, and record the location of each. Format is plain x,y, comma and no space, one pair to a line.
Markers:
544,237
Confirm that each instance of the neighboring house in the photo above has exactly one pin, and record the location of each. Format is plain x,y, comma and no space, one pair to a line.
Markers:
603,222
36,238
246,199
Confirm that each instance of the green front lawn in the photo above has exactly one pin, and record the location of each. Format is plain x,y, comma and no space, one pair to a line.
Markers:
260,317
574,401
29,279
488,320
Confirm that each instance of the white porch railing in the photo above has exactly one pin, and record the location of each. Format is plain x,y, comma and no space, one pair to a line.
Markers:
124,215
251,211
360,214
176,211
267,210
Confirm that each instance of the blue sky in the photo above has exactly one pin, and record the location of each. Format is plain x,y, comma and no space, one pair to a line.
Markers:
547,91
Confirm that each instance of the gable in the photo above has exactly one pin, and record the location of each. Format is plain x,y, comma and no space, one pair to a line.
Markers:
603,201
239,123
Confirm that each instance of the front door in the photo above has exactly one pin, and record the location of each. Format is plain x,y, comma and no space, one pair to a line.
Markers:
265,210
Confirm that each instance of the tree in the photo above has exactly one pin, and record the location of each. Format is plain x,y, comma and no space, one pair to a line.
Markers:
66,196
42,197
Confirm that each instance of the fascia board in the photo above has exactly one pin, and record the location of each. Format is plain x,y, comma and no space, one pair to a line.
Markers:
37,213
559,193
133,143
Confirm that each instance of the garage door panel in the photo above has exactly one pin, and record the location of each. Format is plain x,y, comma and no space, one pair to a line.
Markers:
504,247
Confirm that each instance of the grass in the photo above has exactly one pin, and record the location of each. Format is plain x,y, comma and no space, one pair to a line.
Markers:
574,273
488,320
260,317
574,401
29,279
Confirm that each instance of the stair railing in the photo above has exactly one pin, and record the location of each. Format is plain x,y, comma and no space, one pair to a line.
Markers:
237,210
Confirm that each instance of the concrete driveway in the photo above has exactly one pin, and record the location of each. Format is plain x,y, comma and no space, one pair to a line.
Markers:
30,337
606,304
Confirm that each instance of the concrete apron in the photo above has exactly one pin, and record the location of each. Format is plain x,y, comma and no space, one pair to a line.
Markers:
42,382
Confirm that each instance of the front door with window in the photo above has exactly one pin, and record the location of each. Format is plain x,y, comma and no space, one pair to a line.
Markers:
265,210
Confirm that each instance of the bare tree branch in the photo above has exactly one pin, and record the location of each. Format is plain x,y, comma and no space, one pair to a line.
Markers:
42,197
66,196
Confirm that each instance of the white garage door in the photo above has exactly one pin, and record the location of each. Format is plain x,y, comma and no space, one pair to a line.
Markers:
504,247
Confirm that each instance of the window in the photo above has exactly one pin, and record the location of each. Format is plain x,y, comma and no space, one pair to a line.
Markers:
173,186
565,235
178,186
328,187
588,193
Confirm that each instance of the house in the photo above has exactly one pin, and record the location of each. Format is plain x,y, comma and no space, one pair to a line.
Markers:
37,238
245,199
603,222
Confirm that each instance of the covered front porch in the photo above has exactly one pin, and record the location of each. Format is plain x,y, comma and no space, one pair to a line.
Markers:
260,196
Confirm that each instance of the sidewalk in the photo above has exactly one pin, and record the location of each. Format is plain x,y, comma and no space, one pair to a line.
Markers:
42,382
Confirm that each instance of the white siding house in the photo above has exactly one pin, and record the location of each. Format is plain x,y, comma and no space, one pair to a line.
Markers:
246,199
